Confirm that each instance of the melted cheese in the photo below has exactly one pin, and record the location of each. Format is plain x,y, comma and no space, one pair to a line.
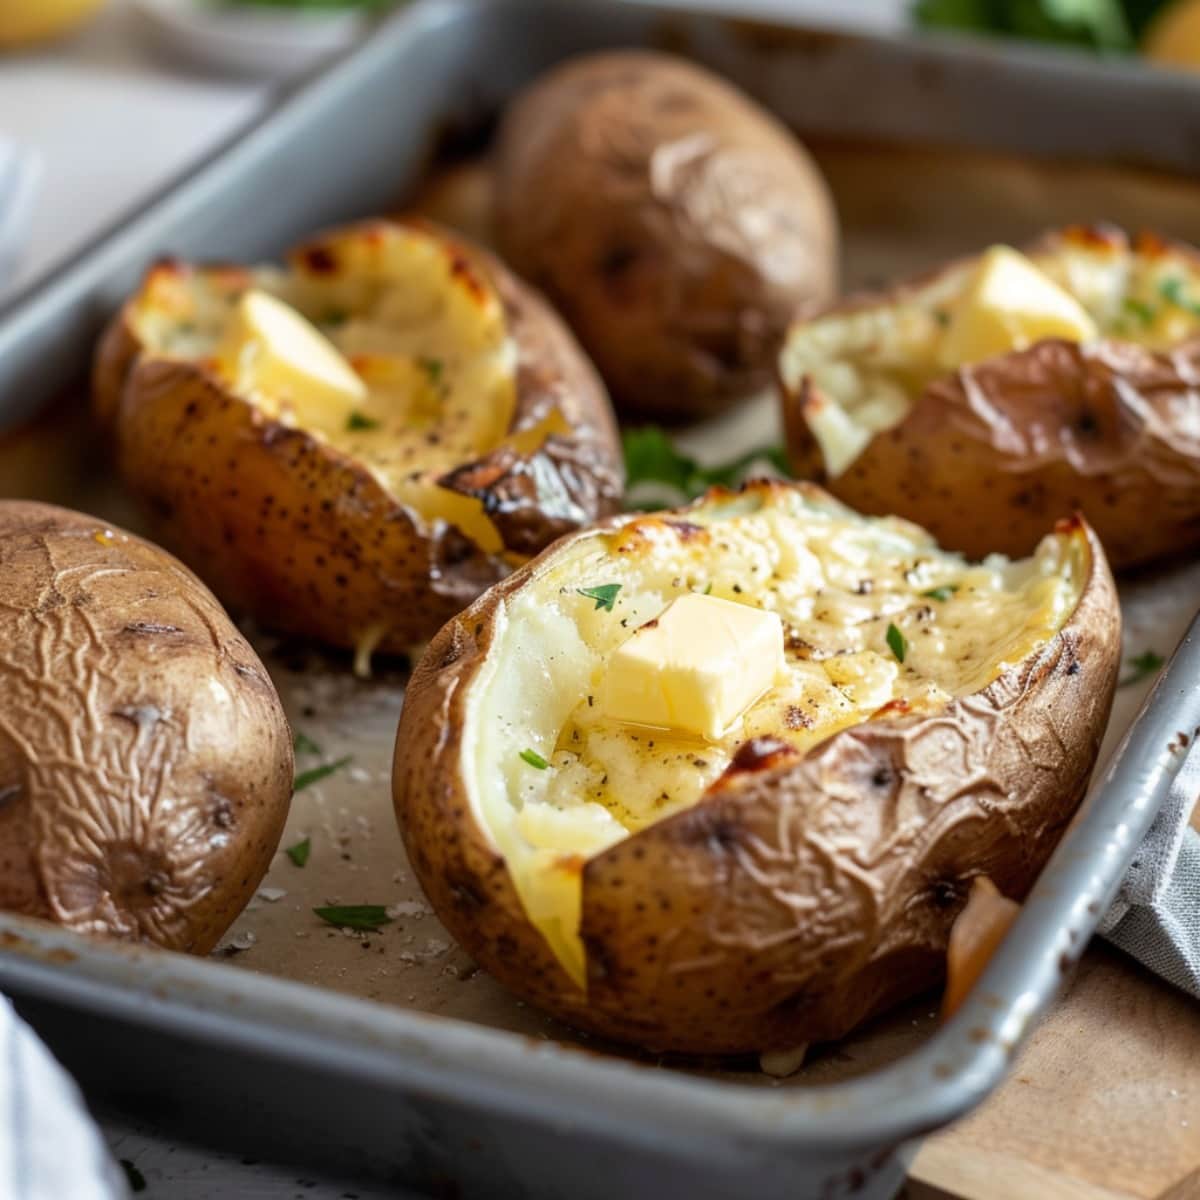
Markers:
837,583
869,364
423,332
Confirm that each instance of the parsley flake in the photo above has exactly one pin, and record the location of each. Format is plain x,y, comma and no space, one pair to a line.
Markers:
1142,667
315,774
941,593
652,458
605,595
299,852
534,759
1173,290
134,1177
357,420
364,917
896,642
1139,310
434,368
303,744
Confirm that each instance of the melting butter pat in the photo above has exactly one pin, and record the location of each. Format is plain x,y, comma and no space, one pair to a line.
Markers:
696,668
1009,304
287,358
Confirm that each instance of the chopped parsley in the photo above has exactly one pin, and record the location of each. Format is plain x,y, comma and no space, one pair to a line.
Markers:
941,593
1139,310
336,316
708,588
357,420
434,368
605,595
299,852
534,759
365,917
315,774
1142,667
652,458
134,1177
941,316
896,642
303,744
1173,290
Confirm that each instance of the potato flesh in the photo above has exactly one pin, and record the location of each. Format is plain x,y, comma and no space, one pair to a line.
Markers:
870,365
428,338
837,581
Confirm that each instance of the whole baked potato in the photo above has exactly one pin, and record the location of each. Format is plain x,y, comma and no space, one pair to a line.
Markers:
145,761
913,722
675,224
982,401
354,447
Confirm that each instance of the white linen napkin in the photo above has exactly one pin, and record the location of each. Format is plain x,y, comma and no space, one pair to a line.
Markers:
20,174
50,1148
1156,915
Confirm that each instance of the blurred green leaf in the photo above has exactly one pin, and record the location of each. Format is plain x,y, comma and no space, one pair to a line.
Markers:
1098,24
652,458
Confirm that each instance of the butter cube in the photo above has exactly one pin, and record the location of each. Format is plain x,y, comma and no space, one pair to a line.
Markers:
696,668
289,359
1008,304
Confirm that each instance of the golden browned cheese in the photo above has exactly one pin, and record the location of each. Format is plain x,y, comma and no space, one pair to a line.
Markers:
145,760
676,225
484,435
783,883
986,455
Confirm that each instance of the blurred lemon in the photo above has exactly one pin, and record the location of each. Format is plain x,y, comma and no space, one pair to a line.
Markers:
24,21
1174,35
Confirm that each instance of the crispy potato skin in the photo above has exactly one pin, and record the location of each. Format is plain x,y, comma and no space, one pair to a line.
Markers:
987,455
677,226
801,895
145,760
291,530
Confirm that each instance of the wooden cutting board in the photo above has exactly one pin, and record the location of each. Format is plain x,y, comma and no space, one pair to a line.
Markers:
1104,1103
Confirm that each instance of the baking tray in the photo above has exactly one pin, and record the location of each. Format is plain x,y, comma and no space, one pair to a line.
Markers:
403,1062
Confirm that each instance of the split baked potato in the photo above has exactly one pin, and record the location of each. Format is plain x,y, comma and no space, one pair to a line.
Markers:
677,226
985,400
354,447
782,874
145,760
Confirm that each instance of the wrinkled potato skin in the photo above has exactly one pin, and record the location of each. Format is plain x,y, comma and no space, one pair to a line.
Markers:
303,537
988,455
800,896
677,226
135,802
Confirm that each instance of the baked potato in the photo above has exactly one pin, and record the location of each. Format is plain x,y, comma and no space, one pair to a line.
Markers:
781,876
354,447
675,224
145,761
984,400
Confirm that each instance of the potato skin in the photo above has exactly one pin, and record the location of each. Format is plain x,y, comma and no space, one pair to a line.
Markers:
677,226
145,760
800,896
306,539
987,455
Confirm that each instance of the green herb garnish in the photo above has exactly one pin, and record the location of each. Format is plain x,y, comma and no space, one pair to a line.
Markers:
897,643
299,852
1096,24
1142,667
1139,310
941,593
1173,290
604,595
303,744
651,458
336,316
357,420
534,759
367,917
134,1177
708,588
315,774
433,367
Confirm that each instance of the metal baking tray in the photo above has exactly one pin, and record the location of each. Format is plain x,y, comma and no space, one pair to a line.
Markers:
389,1056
